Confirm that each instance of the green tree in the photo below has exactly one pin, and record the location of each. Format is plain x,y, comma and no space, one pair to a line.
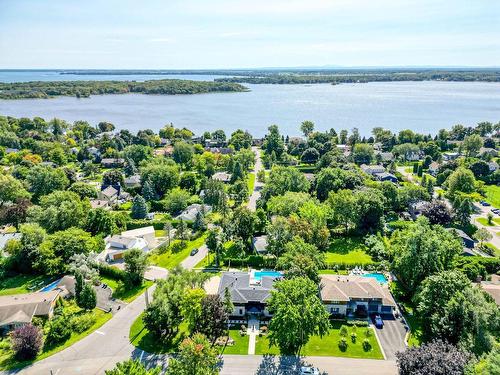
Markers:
274,142
310,156
422,250
129,169
100,221
212,322
283,179
183,153
482,235
11,189
363,153
176,200
463,208
213,244
192,307
44,180
88,297
472,144
301,259
196,356
461,181
298,314
454,310
83,190
136,154
278,235
334,179
307,127
113,177
228,303
148,192
139,208
240,139
132,367
136,263
344,210
244,222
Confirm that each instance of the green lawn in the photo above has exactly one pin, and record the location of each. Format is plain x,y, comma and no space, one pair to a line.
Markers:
141,338
415,337
333,272
240,343
8,362
122,293
495,249
328,345
348,251
169,260
484,221
492,194
23,284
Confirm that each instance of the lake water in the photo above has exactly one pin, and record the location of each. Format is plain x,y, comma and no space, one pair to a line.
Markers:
425,107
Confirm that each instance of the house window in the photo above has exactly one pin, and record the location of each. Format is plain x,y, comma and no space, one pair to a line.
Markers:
334,310
241,311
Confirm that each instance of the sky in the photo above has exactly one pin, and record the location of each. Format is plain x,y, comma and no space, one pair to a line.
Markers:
225,34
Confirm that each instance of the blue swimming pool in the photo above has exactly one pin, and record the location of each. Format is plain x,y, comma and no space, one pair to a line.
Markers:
258,275
51,286
377,276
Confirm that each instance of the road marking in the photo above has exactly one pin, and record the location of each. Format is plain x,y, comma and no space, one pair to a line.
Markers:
100,333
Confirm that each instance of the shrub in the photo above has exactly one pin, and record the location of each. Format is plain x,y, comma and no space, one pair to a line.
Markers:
357,323
366,345
26,341
111,272
354,337
81,323
368,332
343,331
59,331
343,344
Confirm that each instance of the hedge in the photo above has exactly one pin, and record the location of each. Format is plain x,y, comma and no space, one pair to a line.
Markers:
157,224
111,272
252,261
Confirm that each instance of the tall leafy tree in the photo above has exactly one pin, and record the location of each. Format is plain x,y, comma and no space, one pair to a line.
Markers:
139,208
133,366
298,314
136,263
196,356
212,322
307,127
26,341
301,259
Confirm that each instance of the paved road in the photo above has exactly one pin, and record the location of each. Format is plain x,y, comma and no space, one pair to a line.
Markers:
105,347
269,365
483,212
252,201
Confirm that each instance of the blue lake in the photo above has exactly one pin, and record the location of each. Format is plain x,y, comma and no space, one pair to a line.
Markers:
422,106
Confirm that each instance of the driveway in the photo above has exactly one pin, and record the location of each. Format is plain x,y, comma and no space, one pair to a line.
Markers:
392,336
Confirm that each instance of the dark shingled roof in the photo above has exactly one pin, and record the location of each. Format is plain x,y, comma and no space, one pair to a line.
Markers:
242,291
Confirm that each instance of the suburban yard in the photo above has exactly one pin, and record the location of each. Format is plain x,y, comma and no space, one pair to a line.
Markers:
6,355
23,284
329,345
348,251
492,194
125,294
169,259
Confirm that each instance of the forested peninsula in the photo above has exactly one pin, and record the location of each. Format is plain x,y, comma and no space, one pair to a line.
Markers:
83,89
367,76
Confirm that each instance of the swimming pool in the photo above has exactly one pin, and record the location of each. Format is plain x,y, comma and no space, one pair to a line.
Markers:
377,276
51,286
258,275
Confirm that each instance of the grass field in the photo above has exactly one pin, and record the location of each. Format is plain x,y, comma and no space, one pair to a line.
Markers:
349,251
251,183
122,293
170,259
7,361
240,343
328,345
415,338
484,221
23,284
492,194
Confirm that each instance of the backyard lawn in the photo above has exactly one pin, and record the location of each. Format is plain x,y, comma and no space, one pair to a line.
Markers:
169,259
122,293
23,284
348,251
329,345
492,194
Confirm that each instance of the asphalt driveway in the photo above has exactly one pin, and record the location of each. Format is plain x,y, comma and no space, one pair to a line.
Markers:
392,336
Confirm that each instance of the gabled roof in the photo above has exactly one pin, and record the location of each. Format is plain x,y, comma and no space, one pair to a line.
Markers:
109,191
20,308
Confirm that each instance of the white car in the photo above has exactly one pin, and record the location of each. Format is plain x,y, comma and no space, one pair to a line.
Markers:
307,370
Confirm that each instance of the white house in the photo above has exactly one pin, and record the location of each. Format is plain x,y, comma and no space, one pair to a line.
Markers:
372,169
433,168
189,214
116,245
260,244
222,176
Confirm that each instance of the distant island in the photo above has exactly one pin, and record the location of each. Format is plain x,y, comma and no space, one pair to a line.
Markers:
83,89
338,77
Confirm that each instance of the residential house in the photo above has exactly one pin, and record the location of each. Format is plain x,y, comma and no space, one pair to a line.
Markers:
416,208
165,151
355,295
493,166
488,151
372,169
100,203
257,142
222,176
248,294
19,309
468,243
112,162
132,182
110,194
414,156
116,245
385,176
6,237
260,244
10,150
146,233
93,151
384,157
447,156
310,176
220,150
433,168
189,214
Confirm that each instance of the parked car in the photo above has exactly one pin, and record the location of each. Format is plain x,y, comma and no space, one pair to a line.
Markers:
194,252
308,370
379,323
484,203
